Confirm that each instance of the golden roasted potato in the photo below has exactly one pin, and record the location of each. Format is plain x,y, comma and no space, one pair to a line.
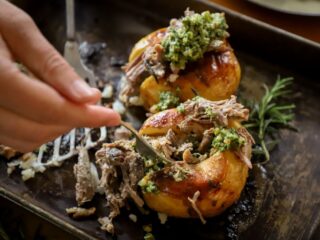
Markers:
219,179
214,77
150,39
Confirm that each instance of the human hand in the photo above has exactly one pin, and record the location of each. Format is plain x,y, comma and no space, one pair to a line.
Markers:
34,111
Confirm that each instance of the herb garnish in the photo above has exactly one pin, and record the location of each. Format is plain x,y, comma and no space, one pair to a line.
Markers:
190,37
209,113
148,185
269,116
181,109
226,139
167,100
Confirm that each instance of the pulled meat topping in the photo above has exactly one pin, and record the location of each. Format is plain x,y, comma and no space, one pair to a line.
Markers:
170,50
86,177
121,168
205,130
216,113
148,63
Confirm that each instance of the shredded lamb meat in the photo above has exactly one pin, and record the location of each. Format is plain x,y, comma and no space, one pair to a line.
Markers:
150,62
136,72
201,114
153,61
193,202
121,168
244,153
86,177
220,112
217,114
162,144
206,141
78,212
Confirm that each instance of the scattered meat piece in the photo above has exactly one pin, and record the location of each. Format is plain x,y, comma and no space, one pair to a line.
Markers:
79,212
193,201
244,153
7,152
162,217
135,74
121,168
189,158
106,224
86,177
206,141
153,60
150,62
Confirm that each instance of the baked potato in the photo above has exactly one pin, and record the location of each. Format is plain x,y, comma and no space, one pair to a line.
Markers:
215,76
212,182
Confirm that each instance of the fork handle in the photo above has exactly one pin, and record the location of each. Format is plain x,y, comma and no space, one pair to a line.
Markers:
71,35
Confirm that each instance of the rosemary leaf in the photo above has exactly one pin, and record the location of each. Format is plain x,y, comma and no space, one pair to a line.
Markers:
268,116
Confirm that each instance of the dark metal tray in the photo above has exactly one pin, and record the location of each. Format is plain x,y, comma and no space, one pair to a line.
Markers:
281,199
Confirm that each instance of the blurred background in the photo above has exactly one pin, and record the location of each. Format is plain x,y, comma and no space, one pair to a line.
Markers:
301,17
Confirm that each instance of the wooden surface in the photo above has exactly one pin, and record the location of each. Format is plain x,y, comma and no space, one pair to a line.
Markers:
308,27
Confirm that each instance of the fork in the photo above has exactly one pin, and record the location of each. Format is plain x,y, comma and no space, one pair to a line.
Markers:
71,48
143,147
72,55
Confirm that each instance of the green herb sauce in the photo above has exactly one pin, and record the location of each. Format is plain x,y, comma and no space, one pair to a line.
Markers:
226,139
167,100
148,185
190,37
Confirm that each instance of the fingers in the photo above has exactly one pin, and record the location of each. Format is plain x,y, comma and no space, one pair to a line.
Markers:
25,135
4,51
29,46
17,144
34,112
39,102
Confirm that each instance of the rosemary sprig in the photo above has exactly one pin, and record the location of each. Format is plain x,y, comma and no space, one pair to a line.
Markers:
268,116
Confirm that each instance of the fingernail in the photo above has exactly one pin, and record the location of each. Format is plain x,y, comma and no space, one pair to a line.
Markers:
82,89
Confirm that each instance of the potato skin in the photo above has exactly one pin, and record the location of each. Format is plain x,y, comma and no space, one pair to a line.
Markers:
220,178
150,39
215,77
